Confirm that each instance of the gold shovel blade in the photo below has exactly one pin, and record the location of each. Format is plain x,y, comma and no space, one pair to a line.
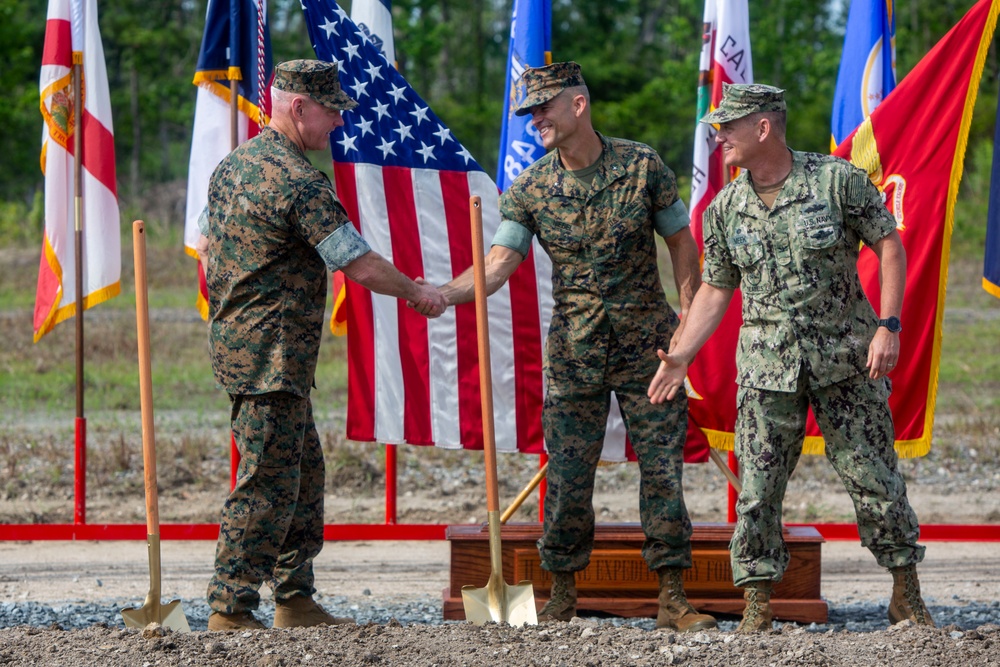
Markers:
169,615
500,603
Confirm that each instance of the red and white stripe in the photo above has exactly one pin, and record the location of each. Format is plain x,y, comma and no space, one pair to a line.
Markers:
416,381
72,33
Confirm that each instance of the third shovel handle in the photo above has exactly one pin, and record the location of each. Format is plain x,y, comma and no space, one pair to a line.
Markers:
483,335
145,378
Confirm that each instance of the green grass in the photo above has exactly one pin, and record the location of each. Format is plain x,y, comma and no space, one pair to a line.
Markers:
40,377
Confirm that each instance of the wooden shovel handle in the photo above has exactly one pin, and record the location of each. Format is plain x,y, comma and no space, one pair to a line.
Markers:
145,378
483,335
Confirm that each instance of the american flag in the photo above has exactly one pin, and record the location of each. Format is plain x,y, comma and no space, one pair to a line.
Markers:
405,181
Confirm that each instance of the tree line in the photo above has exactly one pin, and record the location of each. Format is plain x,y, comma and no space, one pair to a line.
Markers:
639,57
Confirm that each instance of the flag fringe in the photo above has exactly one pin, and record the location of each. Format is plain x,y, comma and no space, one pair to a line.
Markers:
991,288
251,110
985,39
62,314
338,327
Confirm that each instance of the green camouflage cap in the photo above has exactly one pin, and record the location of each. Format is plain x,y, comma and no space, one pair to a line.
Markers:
318,79
743,99
540,84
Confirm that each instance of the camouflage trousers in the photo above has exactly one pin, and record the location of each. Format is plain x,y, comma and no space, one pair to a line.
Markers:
854,417
574,418
272,523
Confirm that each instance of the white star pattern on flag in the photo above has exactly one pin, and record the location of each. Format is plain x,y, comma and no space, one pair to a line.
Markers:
359,89
443,133
373,71
404,131
330,28
426,151
397,93
348,143
386,148
391,125
420,114
351,51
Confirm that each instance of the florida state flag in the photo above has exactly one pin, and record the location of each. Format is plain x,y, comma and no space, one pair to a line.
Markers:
913,147
88,203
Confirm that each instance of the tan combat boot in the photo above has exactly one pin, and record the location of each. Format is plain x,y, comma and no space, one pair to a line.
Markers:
757,613
240,620
562,599
906,602
301,611
675,611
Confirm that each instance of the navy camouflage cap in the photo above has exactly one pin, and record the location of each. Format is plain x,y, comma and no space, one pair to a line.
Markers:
743,99
318,79
538,85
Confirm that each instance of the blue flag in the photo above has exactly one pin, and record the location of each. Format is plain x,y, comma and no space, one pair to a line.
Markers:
530,46
867,67
991,265
236,46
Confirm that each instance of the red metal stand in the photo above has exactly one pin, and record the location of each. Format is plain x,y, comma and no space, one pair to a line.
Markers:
80,473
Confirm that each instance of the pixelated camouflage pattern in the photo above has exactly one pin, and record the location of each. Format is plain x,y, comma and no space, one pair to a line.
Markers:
538,85
743,99
609,317
600,240
318,79
271,527
796,264
574,418
857,425
268,209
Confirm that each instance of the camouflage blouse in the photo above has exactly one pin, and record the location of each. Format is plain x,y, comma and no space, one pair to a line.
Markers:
604,273
796,265
268,210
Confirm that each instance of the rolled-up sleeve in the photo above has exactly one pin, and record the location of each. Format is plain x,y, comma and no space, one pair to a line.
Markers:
342,247
513,235
670,220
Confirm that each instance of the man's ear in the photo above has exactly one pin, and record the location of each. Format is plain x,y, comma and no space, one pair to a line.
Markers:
763,128
579,105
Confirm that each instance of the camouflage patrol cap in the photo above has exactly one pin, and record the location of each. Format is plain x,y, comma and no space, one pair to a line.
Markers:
540,84
743,99
318,79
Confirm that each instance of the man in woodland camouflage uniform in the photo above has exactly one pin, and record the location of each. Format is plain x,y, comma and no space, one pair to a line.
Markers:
594,203
787,232
274,227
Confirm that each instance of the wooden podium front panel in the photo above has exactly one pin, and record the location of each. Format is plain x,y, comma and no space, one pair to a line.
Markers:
618,580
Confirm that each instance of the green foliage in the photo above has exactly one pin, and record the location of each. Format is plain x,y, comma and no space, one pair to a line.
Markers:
21,224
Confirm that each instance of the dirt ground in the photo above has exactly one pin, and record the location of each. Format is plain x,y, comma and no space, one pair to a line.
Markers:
93,571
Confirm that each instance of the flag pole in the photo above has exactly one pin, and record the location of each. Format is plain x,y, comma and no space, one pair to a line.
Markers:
80,476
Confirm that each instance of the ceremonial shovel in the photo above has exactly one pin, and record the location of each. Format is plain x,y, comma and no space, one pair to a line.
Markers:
498,602
169,615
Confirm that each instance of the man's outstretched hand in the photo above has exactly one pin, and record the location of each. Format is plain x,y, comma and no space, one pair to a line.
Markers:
669,378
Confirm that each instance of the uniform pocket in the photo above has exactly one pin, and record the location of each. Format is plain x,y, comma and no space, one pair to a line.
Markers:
564,236
819,232
748,254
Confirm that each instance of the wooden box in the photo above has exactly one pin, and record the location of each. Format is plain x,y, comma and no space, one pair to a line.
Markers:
618,581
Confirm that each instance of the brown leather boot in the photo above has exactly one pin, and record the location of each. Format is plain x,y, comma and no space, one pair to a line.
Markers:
301,611
562,599
757,613
240,620
675,611
906,602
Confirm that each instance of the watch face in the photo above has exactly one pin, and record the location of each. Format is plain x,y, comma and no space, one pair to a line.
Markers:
892,324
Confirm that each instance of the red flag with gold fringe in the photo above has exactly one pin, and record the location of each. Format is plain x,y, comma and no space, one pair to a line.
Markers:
913,147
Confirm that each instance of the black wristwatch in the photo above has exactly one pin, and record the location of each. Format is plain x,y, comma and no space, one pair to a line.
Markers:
892,324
